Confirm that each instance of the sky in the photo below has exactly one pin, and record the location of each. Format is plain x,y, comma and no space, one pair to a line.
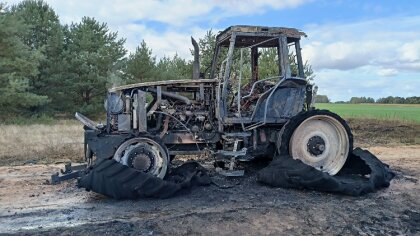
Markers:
356,47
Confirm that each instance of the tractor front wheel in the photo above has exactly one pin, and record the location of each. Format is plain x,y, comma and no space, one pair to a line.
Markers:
144,154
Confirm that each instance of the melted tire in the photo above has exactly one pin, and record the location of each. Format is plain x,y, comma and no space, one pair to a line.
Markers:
363,174
118,181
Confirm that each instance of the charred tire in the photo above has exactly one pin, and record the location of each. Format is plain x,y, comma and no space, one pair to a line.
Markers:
112,179
364,174
318,138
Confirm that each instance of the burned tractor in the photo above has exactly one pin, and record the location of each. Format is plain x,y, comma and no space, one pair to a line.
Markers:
235,111
228,112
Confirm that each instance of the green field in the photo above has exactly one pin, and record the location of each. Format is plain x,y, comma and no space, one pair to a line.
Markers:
379,111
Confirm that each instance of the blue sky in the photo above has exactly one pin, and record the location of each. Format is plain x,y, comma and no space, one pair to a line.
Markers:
356,48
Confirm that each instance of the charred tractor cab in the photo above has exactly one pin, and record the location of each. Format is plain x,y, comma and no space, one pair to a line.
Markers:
238,109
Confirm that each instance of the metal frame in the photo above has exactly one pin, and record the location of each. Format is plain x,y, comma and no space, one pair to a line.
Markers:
209,99
284,70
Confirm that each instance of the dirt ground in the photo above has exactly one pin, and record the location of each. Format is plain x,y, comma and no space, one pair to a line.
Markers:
29,205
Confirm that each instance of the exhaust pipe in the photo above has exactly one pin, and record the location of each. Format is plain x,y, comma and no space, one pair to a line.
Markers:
196,63
172,95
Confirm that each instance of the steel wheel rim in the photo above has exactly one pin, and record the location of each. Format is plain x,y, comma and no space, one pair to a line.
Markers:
305,143
160,163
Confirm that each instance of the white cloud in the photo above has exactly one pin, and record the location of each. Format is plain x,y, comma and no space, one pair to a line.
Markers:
364,81
387,72
345,55
375,58
391,43
410,51
245,7
172,42
170,12
166,43
133,19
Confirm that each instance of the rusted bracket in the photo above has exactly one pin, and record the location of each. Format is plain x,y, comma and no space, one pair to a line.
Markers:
69,172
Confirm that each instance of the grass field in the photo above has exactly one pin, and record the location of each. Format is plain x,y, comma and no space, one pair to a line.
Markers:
401,112
62,141
58,142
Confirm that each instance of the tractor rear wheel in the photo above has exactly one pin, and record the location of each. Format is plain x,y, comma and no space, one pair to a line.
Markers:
318,138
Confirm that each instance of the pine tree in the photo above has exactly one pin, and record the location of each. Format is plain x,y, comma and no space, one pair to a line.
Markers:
45,35
141,65
93,57
18,63
268,63
207,46
173,68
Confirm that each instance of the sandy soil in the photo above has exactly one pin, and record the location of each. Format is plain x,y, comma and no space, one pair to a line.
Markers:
29,205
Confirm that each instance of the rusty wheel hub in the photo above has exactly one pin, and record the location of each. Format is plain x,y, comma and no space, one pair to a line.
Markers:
316,145
141,158
143,154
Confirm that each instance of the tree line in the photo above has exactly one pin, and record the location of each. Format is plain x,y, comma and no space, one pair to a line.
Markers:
56,69
50,68
399,100
359,100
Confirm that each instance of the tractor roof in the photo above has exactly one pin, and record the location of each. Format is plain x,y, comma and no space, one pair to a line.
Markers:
259,31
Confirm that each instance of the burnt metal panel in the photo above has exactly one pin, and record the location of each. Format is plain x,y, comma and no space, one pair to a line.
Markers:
196,63
214,62
284,103
157,101
308,96
141,111
186,82
124,122
258,30
299,59
135,111
223,108
284,57
104,145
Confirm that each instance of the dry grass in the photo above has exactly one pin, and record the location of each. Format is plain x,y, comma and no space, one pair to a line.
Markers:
378,132
61,142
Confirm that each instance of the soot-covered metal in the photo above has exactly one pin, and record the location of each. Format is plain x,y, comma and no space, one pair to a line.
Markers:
228,113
